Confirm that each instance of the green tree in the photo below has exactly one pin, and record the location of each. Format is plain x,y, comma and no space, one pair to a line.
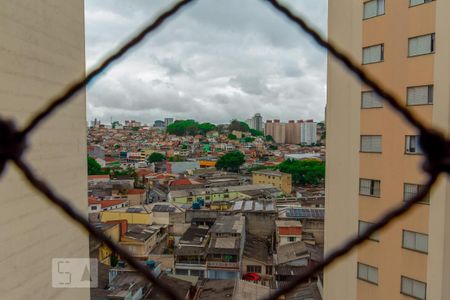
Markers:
249,139
183,127
238,126
304,171
255,132
231,161
269,138
203,128
94,167
232,137
155,157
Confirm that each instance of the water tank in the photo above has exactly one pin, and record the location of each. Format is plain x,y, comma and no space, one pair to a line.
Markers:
196,205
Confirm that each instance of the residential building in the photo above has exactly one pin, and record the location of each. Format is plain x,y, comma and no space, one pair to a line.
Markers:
42,52
190,254
293,132
288,231
222,193
308,132
139,240
277,130
168,121
256,122
374,161
224,258
258,258
280,180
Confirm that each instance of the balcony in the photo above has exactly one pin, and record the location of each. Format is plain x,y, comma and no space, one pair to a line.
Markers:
222,265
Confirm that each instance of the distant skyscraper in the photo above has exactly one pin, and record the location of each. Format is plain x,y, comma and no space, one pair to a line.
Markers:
293,132
159,124
168,121
308,132
256,122
277,130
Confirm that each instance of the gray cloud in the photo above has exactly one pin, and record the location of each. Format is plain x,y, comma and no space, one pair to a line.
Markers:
216,61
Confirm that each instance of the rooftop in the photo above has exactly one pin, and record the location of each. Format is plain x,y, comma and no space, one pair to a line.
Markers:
229,224
140,232
269,172
257,248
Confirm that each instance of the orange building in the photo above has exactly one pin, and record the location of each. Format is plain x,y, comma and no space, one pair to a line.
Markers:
374,157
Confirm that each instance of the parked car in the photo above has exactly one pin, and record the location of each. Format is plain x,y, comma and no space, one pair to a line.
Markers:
252,277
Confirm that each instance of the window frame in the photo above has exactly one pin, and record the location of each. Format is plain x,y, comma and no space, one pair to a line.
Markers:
368,195
377,15
375,94
415,241
373,62
433,44
370,135
425,2
254,269
430,91
425,201
366,279
413,280
371,237
417,145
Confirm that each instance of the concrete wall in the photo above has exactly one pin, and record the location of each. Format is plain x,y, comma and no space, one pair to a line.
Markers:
42,50
262,225
342,121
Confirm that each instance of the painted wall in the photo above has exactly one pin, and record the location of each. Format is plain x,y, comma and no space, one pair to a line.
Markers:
42,50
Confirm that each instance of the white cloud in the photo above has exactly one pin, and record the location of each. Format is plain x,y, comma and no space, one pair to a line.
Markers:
215,61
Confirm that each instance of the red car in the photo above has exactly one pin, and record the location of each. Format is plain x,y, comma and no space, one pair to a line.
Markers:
251,277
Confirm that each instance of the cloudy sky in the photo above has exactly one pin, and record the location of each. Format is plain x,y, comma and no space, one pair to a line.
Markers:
216,61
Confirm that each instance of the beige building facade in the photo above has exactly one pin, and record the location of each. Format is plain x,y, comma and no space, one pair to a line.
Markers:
42,50
373,156
280,180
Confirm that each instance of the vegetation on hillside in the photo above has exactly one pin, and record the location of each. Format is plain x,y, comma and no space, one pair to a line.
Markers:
231,161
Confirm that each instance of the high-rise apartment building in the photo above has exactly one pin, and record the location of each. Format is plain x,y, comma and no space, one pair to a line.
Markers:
168,121
277,130
373,156
308,132
256,122
42,50
293,132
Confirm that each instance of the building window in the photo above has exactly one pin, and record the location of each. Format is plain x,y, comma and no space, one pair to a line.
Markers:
370,99
368,273
253,269
413,288
412,144
369,187
291,239
370,143
418,2
373,8
421,45
410,190
94,207
373,54
415,241
419,95
269,270
362,226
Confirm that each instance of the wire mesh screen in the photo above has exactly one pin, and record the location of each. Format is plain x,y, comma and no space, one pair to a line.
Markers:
434,145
